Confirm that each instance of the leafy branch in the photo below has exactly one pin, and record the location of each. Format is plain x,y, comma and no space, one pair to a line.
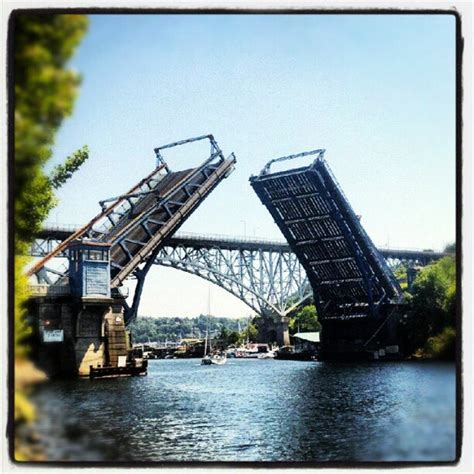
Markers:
61,173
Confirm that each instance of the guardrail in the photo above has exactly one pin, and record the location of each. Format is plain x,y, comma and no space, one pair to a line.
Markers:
228,238
238,238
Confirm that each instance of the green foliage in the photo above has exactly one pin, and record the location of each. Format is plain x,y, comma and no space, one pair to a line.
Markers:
441,346
305,320
44,92
400,272
22,330
251,332
450,248
432,308
234,338
434,291
62,172
173,329
228,338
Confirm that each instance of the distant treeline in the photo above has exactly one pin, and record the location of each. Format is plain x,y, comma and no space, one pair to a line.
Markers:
146,328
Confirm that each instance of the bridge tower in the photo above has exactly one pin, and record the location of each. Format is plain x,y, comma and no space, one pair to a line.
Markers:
356,294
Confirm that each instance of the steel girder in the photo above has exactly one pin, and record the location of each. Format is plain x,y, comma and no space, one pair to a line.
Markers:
271,282
266,275
187,253
136,223
50,238
349,277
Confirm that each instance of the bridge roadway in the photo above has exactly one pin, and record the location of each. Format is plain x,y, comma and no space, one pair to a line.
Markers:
53,234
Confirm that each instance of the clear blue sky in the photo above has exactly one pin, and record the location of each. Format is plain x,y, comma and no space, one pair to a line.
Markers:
378,92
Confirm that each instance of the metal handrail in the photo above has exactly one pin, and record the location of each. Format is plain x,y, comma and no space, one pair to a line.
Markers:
320,152
241,238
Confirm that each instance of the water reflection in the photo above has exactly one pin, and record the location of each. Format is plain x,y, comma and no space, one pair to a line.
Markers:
255,410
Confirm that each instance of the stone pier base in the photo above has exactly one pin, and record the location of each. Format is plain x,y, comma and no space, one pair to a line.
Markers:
274,328
92,334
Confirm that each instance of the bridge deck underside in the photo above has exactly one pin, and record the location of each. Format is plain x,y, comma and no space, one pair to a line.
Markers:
126,235
164,186
348,275
158,214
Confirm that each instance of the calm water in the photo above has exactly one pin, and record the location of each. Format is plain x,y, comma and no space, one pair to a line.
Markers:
255,410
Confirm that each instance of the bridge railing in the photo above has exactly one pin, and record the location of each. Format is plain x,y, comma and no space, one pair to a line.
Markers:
228,238
239,238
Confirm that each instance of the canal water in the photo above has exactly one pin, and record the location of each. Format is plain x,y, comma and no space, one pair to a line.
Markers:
255,410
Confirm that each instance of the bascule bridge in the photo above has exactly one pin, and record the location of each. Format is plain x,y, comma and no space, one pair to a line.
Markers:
263,273
327,255
85,303
356,294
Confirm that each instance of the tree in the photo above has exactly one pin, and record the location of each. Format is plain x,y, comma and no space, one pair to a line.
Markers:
224,334
305,320
252,332
433,306
400,272
434,292
62,172
450,248
44,93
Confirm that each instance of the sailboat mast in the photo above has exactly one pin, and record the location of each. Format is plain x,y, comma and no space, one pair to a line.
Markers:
207,323
208,311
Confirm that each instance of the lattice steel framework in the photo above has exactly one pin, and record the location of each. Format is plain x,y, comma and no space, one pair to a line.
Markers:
137,223
349,277
264,274
271,282
51,237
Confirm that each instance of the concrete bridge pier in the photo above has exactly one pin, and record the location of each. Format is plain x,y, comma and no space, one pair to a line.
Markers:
274,328
74,335
282,332
101,337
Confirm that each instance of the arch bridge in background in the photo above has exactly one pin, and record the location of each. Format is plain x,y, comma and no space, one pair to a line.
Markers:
265,274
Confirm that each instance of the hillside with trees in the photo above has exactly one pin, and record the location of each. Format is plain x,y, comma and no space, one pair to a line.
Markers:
146,328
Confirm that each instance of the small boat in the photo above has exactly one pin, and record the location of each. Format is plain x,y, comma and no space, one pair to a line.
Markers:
214,359
211,358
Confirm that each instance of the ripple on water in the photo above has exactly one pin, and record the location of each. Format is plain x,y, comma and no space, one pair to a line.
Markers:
251,410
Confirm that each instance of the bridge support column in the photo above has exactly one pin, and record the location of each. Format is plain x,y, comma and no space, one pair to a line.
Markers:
100,337
282,332
74,335
273,328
